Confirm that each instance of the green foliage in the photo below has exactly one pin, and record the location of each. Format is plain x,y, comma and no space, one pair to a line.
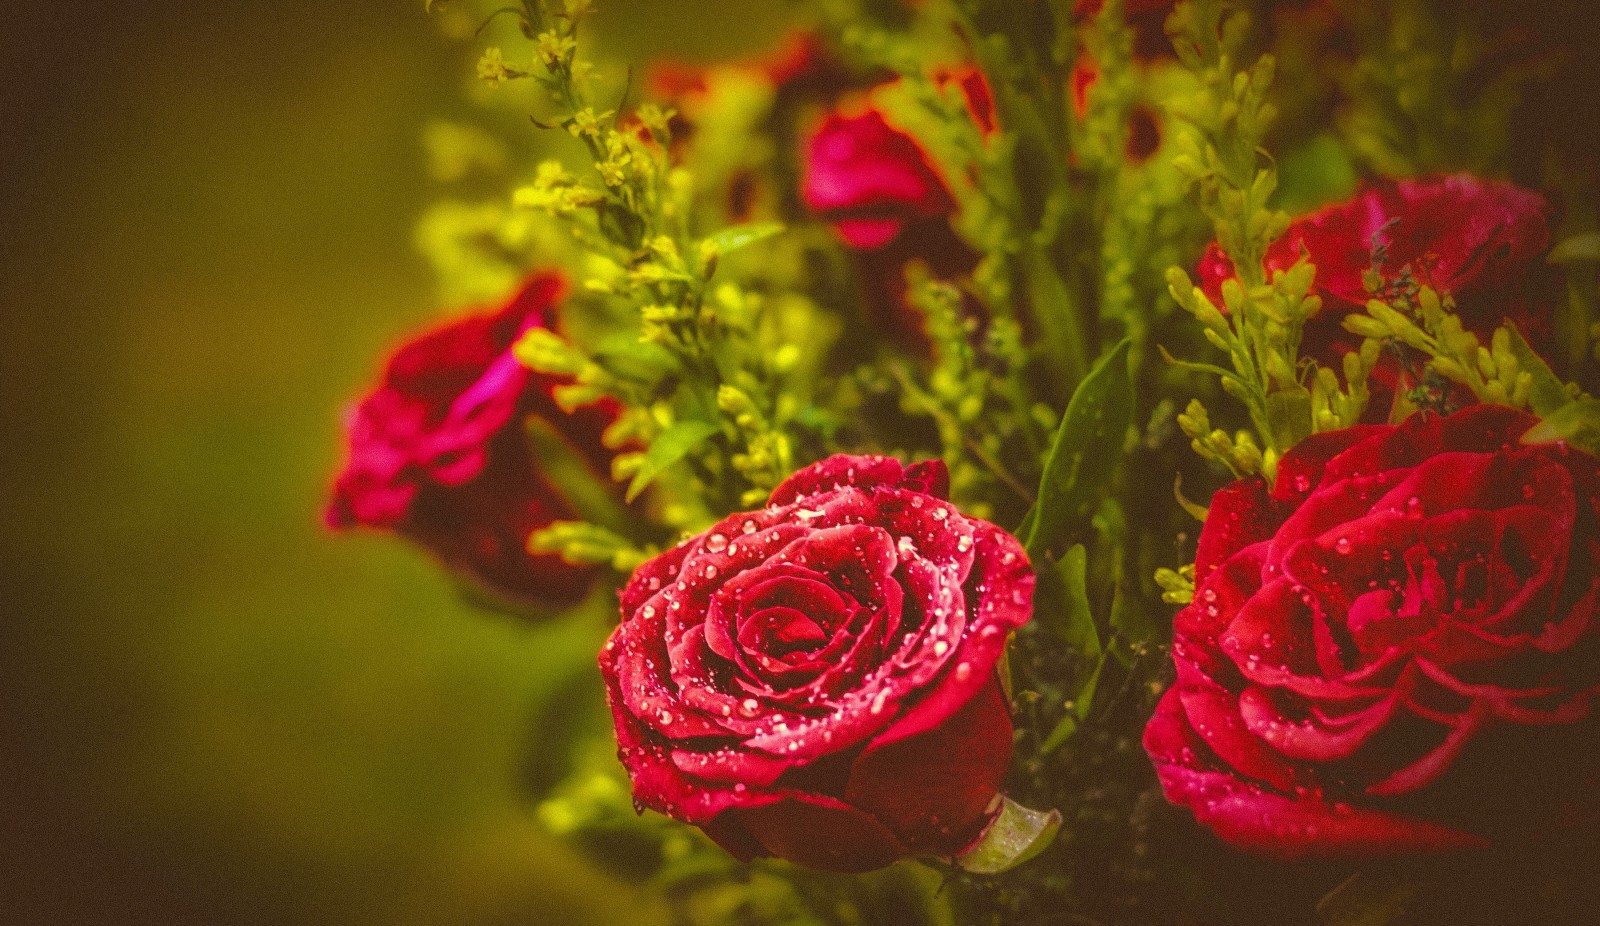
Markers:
1085,452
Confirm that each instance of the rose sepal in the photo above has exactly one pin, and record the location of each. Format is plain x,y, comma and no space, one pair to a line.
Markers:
1016,835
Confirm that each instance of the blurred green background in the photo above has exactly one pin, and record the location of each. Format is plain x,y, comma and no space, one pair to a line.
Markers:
210,710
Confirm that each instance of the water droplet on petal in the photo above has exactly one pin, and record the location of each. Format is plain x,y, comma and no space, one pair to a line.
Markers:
1342,544
963,671
716,543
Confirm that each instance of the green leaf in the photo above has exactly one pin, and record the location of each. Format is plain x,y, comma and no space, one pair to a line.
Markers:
592,495
1579,249
1132,623
1317,172
1368,900
1075,622
732,239
1016,835
1289,416
1087,447
1078,713
1577,423
1548,393
669,447
627,356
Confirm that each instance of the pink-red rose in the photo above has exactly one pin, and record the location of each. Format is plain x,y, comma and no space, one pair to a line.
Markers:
1393,649
1482,240
816,680
870,179
438,453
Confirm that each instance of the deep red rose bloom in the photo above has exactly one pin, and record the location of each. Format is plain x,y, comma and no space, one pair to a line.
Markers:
1482,240
816,680
870,179
438,453
1394,649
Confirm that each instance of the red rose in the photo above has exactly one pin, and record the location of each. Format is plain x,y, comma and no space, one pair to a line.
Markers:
816,680
1387,648
870,179
438,453
1482,240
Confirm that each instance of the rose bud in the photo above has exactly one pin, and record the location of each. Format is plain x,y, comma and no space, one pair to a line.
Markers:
816,680
439,453
1483,241
1394,648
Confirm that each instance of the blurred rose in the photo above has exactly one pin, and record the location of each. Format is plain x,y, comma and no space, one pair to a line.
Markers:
1484,241
870,180
439,454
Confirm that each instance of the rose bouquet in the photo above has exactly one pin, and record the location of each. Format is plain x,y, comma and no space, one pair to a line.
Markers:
1036,462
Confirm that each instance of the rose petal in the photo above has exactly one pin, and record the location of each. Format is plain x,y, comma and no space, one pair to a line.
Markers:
1241,514
1434,763
859,471
1258,820
1312,737
958,761
820,832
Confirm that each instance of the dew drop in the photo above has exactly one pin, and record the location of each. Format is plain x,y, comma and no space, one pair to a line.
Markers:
748,707
878,701
716,543
1342,544
963,671
939,514
1302,483
940,647
749,527
710,572
964,543
665,716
